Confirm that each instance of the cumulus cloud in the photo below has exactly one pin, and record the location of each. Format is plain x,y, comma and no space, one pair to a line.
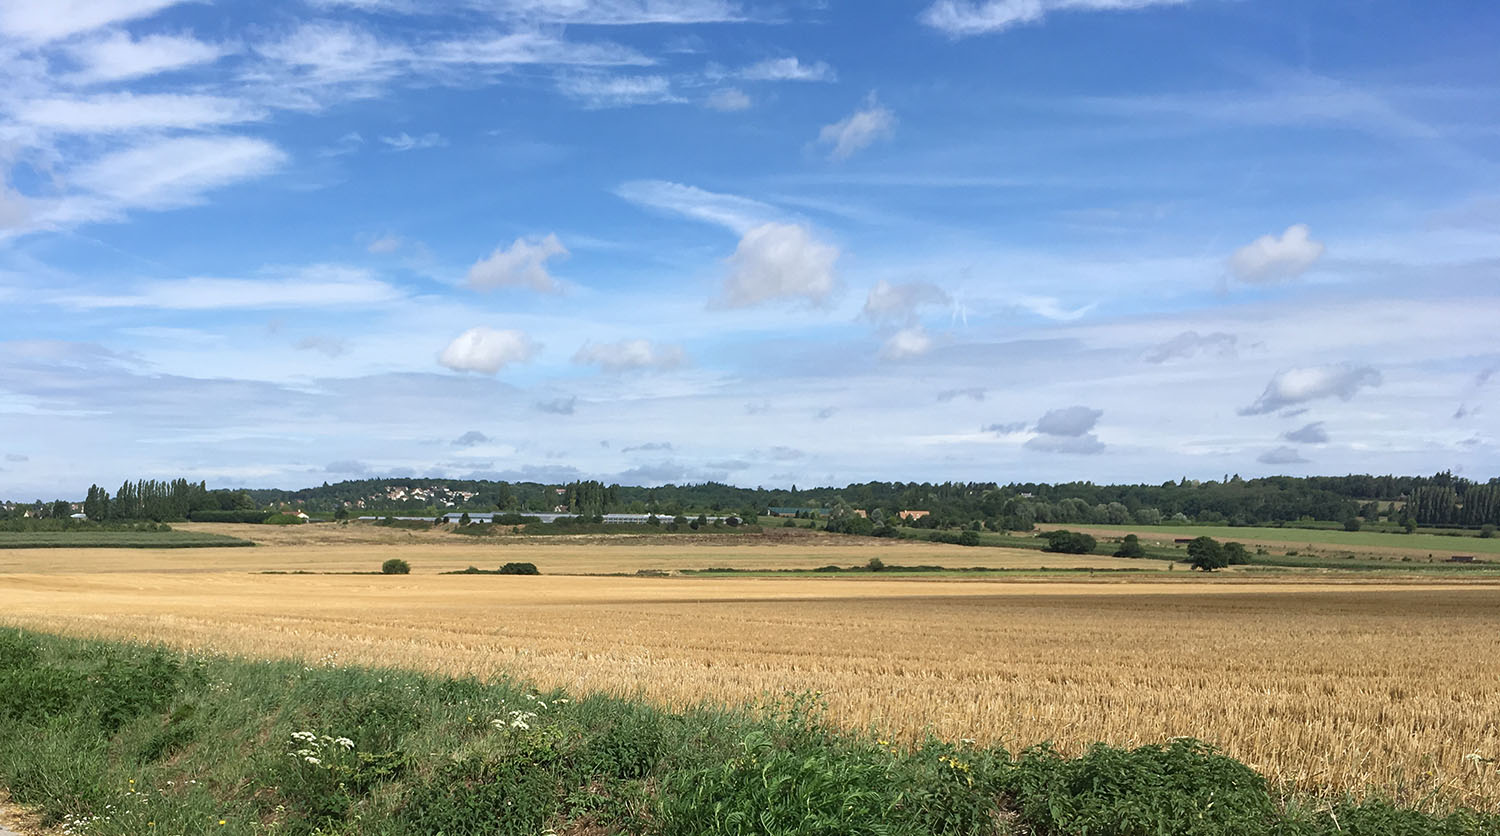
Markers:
471,439
486,350
1065,430
973,393
900,302
558,406
1069,421
788,69
1311,434
1281,455
1006,429
858,131
630,355
961,18
523,264
1270,259
909,342
1189,344
1300,385
780,261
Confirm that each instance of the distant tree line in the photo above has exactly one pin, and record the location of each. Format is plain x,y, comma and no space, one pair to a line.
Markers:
1439,500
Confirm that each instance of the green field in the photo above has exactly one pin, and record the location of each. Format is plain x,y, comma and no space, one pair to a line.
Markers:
92,539
1437,544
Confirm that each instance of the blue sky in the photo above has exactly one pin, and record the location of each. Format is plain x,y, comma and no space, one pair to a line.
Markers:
273,244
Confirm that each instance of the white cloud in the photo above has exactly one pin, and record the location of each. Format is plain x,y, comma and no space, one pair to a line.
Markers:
909,342
471,438
1270,259
56,19
532,48
386,244
961,18
1300,385
172,172
630,355
622,12
117,112
14,209
406,142
899,302
1069,421
739,214
1311,434
117,56
788,69
780,261
322,286
1051,308
1189,344
486,351
524,264
729,100
1067,430
606,91
858,131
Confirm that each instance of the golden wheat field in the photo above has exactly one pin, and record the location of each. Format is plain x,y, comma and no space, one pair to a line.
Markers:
1324,686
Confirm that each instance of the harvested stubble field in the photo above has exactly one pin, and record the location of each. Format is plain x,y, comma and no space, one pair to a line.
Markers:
361,548
1323,686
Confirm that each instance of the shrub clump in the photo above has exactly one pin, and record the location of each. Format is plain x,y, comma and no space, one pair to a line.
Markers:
1069,542
395,566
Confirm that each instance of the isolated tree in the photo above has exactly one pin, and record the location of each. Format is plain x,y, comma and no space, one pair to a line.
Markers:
1131,547
1351,524
463,518
1236,554
1207,554
395,566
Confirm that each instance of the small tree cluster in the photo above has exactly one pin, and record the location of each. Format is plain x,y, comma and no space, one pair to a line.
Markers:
1063,541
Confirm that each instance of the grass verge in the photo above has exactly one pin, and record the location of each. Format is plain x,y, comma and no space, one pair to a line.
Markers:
110,739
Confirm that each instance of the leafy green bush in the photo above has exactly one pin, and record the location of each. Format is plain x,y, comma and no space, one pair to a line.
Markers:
519,569
1069,542
395,566
1131,547
283,519
1184,788
254,517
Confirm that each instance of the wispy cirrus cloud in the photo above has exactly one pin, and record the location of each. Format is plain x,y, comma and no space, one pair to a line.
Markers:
322,286
859,130
962,18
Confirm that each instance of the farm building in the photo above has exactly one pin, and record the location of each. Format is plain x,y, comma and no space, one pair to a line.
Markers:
1461,558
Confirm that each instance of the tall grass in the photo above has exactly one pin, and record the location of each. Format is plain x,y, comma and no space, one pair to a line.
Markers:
111,739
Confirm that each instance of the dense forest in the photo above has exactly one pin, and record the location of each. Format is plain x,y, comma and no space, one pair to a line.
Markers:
1442,499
